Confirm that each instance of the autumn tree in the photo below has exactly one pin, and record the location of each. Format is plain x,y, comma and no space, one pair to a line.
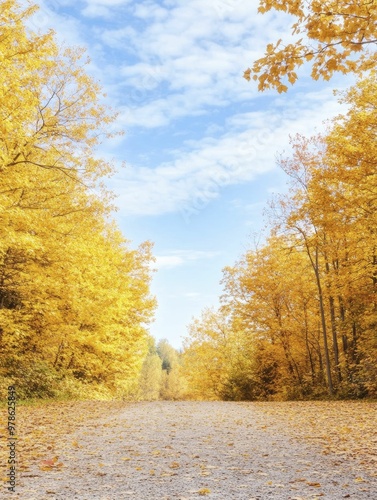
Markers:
161,376
204,358
219,359
74,297
150,380
351,153
173,385
302,307
334,36
269,292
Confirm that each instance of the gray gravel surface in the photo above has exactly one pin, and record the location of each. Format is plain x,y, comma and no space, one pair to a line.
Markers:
192,450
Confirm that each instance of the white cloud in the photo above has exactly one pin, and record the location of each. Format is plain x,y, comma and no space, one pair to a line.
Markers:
107,3
187,57
168,261
190,57
192,295
201,170
102,8
68,30
177,258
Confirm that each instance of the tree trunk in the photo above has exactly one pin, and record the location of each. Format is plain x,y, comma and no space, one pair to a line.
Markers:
323,323
335,338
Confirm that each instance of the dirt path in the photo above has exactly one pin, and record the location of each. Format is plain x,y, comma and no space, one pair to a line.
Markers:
191,450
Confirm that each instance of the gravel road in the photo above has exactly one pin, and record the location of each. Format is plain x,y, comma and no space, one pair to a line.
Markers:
192,450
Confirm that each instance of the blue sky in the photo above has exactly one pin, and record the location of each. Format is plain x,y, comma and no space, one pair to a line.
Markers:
200,143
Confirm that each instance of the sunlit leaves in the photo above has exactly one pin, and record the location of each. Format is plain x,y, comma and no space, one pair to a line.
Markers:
74,297
161,375
339,37
302,308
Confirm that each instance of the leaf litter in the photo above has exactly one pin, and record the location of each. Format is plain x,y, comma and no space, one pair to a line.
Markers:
223,450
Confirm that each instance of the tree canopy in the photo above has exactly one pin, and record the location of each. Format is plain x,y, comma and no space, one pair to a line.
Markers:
298,314
332,36
74,297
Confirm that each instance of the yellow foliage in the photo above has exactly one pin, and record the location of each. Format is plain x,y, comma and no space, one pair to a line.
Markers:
74,298
299,314
340,36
